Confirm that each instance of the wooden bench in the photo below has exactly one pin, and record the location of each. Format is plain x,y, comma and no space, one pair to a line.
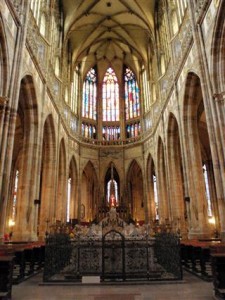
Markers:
195,257
218,270
6,271
28,258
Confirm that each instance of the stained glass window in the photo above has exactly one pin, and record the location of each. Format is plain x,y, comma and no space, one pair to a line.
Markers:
133,130
110,96
88,131
89,95
132,103
110,133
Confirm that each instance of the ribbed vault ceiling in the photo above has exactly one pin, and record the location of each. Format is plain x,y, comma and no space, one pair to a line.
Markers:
109,32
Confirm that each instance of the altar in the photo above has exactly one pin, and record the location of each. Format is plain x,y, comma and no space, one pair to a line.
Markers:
113,251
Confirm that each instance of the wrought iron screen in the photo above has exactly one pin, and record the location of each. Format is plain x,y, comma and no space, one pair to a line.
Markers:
113,258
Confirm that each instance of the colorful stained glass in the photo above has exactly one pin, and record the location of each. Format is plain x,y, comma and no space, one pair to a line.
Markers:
90,95
110,96
88,131
133,130
132,104
111,133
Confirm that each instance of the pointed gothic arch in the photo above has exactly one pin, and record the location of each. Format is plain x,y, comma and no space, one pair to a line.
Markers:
89,197
47,176
135,191
24,160
176,177
196,140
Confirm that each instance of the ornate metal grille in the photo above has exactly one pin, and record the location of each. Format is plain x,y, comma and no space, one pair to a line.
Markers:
114,258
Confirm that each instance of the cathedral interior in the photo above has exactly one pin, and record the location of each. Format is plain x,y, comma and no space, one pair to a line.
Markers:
112,104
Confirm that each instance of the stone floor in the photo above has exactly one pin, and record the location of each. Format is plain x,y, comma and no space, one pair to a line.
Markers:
192,288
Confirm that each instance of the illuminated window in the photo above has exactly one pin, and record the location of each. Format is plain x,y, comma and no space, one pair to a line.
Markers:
68,200
89,95
146,91
133,130
110,133
207,193
75,91
112,188
88,131
156,198
132,103
110,96
15,190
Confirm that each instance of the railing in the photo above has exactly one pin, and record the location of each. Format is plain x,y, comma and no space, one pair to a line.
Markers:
113,258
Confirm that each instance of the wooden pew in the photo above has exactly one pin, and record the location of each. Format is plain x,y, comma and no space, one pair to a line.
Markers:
218,270
28,259
195,257
6,271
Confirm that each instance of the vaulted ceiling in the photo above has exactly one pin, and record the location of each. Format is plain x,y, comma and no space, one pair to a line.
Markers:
109,32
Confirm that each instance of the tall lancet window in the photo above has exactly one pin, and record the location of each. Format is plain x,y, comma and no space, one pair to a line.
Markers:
207,193
156,197
112,189
68,199
15,191
110,96
132,102
90,95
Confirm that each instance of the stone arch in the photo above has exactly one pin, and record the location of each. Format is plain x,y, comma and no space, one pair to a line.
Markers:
73,211
176,178
135,191
195,136
218,46
24,160
89,195
47,177
151,196
61,197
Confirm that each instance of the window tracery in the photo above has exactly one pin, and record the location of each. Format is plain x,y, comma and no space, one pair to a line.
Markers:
110,96
90,95
132,101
